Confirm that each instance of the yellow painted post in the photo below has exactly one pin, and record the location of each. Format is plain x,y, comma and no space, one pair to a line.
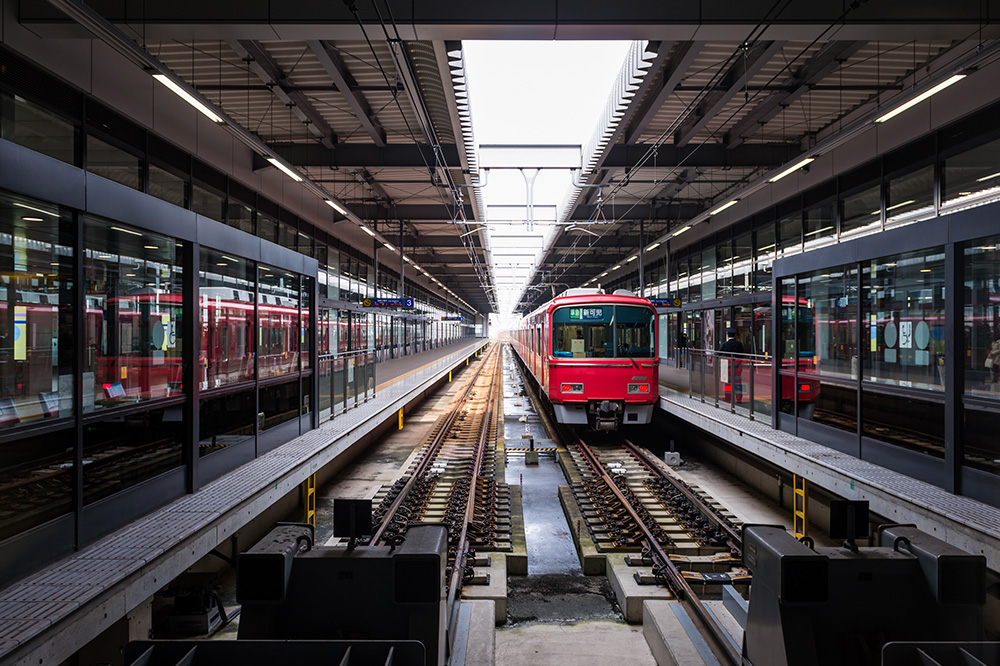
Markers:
309,500
800,506
449,375
400,418
467,361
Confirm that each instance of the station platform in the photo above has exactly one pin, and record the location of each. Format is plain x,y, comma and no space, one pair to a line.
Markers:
961,521
391,371
47,617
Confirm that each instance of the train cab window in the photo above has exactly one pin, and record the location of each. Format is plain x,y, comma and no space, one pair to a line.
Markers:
635,331
583,332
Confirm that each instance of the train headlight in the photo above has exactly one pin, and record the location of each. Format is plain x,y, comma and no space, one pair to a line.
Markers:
638,388
571,388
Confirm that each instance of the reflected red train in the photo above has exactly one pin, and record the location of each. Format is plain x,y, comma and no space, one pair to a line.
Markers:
593,355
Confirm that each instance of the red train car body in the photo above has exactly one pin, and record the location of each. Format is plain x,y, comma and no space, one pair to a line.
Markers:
593,355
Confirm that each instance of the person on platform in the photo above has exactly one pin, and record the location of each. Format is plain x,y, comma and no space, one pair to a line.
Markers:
732,347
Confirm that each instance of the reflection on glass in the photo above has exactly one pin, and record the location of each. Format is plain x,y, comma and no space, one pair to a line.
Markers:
120,453
207,203
227,421
278,329
790,235
862,211
764,257
724,268
27,125
240,216
911,197
981,445
828,302
305,331
583,332
819,226
279,403
707,274
742,265
227,319
36,351
133,329
972,177
165,185
113,163
36,481
904,320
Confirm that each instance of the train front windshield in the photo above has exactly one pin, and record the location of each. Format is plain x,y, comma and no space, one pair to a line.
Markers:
603,331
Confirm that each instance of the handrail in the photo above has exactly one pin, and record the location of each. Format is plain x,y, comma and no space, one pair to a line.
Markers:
738,380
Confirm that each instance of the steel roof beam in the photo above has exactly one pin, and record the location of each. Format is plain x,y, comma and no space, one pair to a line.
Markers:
641,211
667,80
337,70
708,155
821,65
267,70
739,72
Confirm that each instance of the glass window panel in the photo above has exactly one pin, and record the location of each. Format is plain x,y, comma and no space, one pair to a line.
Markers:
707,274
227,420
583,332
133,324
910,197
36,481
305,331
165,185
904,320
279,403
36,329
764,257
742,265
278,327
207,203
27,125
113,163
724,268
789,343
828,347
790,235
240,216
972,176
227,319
287,236
122,452
862,211
819,226
981,446
267,228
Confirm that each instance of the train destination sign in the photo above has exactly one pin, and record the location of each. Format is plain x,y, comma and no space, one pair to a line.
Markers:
452,318
586,313
388,302
666,302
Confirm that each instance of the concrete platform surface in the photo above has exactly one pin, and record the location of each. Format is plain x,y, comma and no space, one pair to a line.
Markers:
580,644
475,638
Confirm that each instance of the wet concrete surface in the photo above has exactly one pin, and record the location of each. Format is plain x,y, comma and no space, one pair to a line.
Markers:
555,590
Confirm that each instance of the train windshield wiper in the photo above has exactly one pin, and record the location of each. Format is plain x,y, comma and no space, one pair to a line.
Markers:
629,357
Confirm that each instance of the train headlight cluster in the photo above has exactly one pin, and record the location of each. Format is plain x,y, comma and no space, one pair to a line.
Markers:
571,388
638,388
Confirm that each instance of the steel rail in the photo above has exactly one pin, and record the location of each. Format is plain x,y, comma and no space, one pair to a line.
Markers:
430,453
482,440
732,534
675,580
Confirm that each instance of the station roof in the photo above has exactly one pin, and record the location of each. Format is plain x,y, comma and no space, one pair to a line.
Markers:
371,105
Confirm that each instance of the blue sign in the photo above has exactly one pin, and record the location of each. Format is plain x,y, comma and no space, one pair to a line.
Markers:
666,302
452,318
388,302
586,313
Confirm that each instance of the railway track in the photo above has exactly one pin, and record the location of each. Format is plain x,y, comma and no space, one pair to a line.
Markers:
632,504
455,480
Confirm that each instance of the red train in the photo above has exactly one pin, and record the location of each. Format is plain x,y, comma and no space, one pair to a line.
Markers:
594,357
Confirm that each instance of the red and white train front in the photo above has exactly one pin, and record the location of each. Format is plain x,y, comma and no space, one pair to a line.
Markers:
594,357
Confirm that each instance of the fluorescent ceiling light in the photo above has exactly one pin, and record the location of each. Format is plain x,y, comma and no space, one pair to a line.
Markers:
632,258
406,259
724,207
288,172
921,97
188,97
334,205
616,267
28,218
978,180
229,258
127,231
794,167
37,210
680,231
904,203
604,274
389,247
367,231
652,247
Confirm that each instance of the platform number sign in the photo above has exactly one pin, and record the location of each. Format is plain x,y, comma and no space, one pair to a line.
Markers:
586,313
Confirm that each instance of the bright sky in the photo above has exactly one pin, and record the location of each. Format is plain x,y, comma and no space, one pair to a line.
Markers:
532,93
